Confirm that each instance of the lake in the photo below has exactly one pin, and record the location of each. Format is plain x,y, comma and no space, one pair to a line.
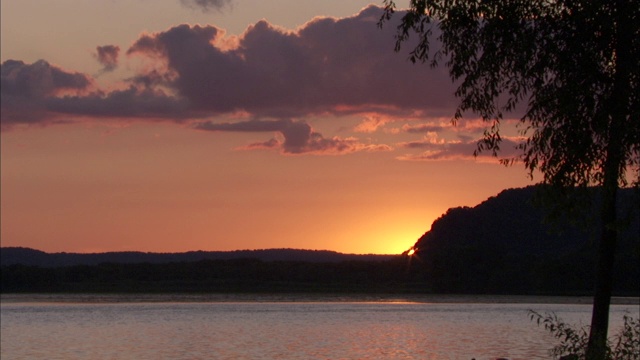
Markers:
283,326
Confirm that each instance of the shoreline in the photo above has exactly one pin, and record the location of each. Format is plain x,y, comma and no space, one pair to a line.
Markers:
305,297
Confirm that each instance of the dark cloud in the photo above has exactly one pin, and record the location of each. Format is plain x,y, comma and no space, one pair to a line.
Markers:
25,87
298,137
337,66
107,56
206,5
130,103
246,126
37,80
43,93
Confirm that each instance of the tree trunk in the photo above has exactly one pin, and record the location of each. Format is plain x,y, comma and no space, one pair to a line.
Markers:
604,274
614,163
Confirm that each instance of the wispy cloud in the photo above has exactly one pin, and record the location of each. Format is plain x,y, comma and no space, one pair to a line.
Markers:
107,56
424,128
296,137
206,5
371,123
435,149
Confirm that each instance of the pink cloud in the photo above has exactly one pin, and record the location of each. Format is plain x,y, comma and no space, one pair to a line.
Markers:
466,125
371,123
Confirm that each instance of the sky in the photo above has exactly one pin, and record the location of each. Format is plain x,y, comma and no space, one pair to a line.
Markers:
179,125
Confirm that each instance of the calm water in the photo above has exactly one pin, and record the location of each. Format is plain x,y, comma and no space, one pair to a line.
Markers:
278,327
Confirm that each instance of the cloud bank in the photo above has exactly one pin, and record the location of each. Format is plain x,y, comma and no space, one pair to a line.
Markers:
328,66
276,77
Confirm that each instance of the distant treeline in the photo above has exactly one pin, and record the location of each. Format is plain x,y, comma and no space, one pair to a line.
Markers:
556,276
27,256
501,246
237,275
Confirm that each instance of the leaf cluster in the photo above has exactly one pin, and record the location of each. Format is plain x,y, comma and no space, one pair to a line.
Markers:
570,70
625,345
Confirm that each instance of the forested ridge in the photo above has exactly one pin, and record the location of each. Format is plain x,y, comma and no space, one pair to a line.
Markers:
511,243
501,246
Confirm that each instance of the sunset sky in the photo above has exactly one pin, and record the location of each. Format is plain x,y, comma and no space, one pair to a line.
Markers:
177,125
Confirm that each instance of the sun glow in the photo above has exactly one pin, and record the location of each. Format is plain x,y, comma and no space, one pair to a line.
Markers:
411,252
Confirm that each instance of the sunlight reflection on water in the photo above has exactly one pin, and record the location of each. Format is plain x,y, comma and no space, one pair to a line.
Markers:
275,327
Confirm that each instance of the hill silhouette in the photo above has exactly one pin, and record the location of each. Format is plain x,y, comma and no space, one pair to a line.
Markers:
507,243
501,246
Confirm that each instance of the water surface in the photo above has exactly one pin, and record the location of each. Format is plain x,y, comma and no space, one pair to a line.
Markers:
281,327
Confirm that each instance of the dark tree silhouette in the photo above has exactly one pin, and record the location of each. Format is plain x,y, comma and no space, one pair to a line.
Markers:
575,65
